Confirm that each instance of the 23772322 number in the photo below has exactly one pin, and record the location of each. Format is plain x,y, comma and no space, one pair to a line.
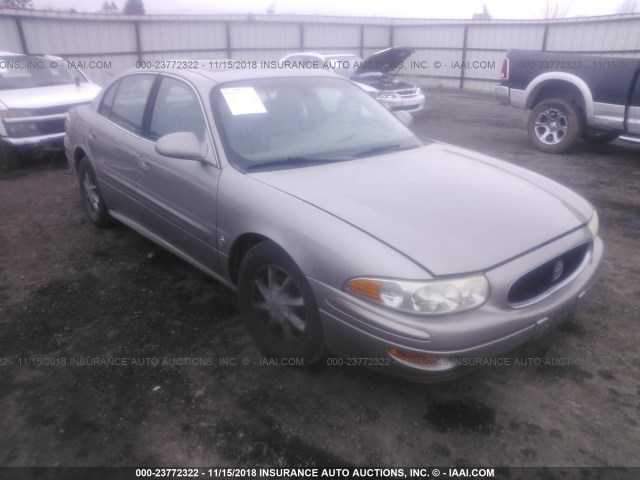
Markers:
167,472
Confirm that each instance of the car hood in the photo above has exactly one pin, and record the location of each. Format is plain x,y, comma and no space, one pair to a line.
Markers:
448,209
385,61
49,96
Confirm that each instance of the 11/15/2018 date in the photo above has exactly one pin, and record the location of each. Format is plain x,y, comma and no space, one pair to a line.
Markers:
196,472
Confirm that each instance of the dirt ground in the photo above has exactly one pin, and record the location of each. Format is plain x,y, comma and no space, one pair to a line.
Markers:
191,389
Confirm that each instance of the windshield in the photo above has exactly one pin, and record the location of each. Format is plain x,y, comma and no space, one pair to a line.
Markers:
287,122
26,71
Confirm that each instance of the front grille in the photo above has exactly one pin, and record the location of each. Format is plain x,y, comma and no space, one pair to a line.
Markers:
548,275
405,107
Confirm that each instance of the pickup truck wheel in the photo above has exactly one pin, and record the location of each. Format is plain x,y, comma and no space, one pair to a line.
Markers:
555,126
278,306
8,159
92,200
599,137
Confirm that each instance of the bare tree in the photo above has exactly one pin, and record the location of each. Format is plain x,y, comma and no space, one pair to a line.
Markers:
271,9
485,15
133,7
628,6
555,9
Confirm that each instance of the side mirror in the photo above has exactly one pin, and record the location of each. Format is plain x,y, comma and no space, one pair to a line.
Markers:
404,117
184,145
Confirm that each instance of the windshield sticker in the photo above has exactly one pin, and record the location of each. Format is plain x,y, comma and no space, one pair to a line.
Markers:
243,100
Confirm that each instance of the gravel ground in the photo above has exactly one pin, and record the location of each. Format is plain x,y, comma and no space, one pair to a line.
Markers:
72,293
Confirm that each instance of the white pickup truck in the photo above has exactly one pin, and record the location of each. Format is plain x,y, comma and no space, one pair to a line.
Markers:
35,95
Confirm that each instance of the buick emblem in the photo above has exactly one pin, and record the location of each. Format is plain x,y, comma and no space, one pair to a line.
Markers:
558,268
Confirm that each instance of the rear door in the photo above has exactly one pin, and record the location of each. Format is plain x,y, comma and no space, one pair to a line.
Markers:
114,140
179,196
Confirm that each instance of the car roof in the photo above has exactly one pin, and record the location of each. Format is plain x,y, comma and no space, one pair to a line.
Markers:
204,75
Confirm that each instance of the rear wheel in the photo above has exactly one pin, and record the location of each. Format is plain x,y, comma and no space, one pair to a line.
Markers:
92,201
555,126
278,305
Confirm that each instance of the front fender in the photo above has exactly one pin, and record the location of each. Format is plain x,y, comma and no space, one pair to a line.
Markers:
325,247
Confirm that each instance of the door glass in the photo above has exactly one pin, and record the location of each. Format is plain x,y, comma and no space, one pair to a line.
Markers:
130,100
177,109
107,100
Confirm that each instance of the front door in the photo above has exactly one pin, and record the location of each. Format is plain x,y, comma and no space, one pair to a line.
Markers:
178,196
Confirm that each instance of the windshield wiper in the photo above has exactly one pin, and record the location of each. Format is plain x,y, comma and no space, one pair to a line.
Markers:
384,149
292,161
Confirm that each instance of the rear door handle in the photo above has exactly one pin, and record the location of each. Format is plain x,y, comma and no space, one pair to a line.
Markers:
142,161
92,134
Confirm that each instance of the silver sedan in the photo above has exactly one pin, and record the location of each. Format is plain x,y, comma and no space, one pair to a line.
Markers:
342,231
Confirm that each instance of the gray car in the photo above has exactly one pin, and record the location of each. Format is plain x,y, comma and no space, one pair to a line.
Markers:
342,231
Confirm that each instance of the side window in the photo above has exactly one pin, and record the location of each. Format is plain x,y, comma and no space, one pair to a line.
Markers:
176,109
107,100
129,102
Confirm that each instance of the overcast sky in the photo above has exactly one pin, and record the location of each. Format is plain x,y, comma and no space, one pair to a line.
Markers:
454,9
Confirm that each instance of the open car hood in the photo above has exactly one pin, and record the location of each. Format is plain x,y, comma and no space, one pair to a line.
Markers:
451,210
386,60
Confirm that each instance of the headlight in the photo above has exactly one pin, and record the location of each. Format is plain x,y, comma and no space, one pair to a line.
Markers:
594,224
22,129
434,297
385,95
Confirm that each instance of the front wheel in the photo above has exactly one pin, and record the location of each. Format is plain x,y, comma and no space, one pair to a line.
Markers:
555,126
278,306
8,159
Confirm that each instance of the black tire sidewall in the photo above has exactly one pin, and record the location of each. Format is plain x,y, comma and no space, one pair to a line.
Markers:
101,218
8,159
310,346
574,130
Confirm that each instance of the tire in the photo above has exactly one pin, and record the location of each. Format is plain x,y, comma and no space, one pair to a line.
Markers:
599,137
555,126
278,306
92,200
8,160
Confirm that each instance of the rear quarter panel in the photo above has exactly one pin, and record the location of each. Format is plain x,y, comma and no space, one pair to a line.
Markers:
608,78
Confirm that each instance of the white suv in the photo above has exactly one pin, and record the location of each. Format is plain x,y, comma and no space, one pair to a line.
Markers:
376,74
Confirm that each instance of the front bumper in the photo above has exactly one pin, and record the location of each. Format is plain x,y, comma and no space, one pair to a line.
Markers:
52,140
406,104
502,94
356,329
